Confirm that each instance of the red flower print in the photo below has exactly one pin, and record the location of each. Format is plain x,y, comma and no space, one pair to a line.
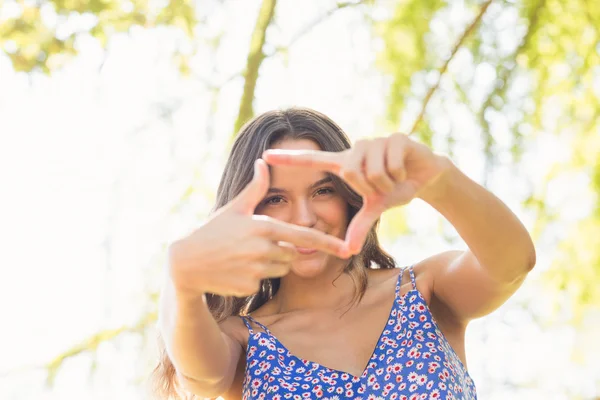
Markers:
412,376
413,360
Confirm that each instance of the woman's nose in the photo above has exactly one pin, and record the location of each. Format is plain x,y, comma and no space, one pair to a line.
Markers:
304,215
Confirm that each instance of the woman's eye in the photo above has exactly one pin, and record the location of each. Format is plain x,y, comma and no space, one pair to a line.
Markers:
274,200
325,190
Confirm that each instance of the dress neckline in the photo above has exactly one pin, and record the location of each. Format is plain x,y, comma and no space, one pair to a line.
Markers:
397,299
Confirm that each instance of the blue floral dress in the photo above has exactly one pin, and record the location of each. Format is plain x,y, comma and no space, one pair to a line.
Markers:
412,360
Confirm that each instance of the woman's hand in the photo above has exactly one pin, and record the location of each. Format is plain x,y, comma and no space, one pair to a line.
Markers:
386,172
235,250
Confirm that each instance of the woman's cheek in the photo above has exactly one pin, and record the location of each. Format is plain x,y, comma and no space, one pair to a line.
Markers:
278,212
334,212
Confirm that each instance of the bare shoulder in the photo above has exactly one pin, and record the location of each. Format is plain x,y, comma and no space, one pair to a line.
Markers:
429,268
427,271
379,276
423,278
234,327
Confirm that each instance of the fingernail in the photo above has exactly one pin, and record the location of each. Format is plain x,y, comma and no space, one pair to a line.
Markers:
344,252
256,166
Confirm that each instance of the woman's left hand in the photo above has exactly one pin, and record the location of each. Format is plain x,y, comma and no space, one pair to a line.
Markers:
386,172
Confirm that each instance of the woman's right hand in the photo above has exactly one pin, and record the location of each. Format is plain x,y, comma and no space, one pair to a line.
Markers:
235,250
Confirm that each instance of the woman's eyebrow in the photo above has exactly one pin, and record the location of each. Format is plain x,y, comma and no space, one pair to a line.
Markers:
320,182
312,186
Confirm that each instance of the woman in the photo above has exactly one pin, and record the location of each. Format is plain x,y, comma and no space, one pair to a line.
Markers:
286,293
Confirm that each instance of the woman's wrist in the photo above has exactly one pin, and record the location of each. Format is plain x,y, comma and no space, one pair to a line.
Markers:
190,307
441,178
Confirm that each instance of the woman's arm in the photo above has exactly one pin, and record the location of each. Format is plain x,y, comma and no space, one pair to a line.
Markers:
501,253
204,356
391,171
229,255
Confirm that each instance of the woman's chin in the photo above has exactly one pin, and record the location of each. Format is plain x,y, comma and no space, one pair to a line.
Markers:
309,268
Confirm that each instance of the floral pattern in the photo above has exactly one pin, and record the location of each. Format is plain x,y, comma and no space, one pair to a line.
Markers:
412,360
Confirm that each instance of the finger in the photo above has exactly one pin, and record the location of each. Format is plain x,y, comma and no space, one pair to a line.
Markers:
243,287
240,282
321,160
261,249
394,159
247,201
375,168
353,171
279,253
359,228
272,269
299,236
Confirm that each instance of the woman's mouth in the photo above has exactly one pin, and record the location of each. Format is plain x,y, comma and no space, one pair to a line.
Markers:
305,250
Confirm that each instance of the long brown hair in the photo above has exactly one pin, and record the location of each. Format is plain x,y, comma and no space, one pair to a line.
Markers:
258,135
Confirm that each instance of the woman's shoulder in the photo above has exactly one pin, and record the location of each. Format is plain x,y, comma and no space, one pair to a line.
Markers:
234,327
423,278
426,270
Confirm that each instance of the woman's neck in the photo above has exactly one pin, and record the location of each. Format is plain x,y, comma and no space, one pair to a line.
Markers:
331,289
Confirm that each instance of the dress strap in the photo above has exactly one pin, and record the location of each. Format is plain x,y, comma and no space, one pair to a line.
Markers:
399,282
412,277
251,319
245,319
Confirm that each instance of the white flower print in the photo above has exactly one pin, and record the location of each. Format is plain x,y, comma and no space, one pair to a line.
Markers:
412,360
412,376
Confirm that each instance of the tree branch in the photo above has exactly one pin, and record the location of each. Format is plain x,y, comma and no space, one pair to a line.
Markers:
255,59
444,67
89,344
246,110
306,29
297,36
92,343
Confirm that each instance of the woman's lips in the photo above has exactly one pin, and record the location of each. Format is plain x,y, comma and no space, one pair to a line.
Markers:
304,250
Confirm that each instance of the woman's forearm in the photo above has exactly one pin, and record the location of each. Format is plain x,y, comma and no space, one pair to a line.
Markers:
494,234
194,342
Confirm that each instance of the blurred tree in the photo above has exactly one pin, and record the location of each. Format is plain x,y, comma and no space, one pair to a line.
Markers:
541,84
255,57
42,35
33,43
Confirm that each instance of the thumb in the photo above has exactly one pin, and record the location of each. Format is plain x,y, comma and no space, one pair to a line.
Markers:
359,228
255,190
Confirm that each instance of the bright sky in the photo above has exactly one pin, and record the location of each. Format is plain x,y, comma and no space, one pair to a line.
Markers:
88,160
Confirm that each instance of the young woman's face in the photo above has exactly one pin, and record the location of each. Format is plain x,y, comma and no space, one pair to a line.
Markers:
305,197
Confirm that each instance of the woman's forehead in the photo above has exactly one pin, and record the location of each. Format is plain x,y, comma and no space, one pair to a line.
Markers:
296,144
286,177
295,177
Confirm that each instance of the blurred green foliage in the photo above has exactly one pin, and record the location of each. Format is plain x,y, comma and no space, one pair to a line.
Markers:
544,85
558,58
557,55
43,35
